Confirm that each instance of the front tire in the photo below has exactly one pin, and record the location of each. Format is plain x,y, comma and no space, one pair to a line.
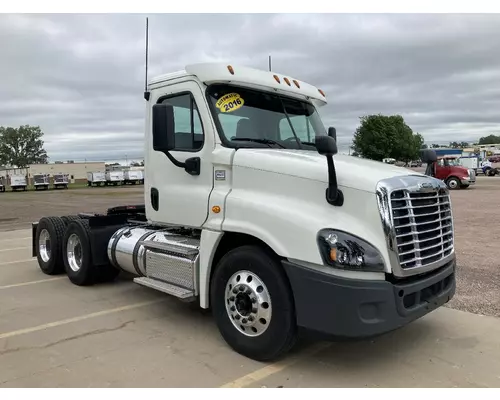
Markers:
252,303
453,183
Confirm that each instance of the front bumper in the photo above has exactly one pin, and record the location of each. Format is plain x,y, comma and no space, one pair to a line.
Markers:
468,181
352,308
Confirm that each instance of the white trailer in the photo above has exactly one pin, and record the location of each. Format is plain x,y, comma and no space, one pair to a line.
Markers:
61,180
115,178
133,177
470,162
263,223
41,181
96,178
18,182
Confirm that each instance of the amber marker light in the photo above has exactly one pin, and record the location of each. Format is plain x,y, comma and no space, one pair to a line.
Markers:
216,209
230,69
276,78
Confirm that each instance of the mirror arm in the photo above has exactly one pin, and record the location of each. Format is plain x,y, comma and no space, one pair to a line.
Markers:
334,195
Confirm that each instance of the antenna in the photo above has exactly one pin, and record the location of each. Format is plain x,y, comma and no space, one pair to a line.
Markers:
146,93
269,63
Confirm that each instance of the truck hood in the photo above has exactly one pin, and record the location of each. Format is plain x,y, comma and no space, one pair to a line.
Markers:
353,172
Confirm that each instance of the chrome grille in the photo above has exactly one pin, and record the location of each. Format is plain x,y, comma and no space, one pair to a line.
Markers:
423,226
417,219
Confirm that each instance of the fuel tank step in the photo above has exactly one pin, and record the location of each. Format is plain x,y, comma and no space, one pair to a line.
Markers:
177,291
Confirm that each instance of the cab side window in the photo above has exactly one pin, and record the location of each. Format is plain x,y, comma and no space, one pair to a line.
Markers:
189,135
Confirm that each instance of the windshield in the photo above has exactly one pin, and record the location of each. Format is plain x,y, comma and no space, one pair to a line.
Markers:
254,118
449,162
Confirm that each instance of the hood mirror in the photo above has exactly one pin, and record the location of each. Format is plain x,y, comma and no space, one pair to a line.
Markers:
327,146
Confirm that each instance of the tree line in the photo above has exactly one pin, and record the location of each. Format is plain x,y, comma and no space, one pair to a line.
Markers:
377,137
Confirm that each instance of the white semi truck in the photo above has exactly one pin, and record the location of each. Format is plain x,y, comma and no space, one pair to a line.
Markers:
61,180
97,178
133,177
41,181
18,182
249,212
115,178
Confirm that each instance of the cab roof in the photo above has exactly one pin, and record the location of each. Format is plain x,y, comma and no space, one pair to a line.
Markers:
209,73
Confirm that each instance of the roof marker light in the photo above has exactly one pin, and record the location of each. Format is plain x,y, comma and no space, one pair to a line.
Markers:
276,78
322,93
296,83
287,81
230,69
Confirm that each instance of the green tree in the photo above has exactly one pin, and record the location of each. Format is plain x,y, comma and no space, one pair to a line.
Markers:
22,146
490,139
381,136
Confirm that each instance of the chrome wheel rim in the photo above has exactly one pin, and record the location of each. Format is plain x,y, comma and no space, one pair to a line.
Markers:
453,184
74,252
44,245
248,303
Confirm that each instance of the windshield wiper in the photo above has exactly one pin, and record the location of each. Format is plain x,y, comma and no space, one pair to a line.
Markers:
264,141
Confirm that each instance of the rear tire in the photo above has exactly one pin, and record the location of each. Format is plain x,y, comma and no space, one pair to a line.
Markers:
48,241
77,254
68,218
264,308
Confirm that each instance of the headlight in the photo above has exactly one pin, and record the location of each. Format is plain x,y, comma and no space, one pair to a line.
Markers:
344,251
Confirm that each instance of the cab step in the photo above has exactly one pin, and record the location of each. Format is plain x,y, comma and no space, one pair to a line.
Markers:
168,288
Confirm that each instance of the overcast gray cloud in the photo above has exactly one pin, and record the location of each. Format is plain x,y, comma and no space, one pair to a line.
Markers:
80,77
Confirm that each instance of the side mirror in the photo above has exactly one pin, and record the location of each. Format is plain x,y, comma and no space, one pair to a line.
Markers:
163,127
428,156
327,146
332,132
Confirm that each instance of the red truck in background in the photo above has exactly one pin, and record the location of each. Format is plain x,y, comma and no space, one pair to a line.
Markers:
449,170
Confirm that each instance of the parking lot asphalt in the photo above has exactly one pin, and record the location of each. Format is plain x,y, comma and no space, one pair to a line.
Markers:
55,334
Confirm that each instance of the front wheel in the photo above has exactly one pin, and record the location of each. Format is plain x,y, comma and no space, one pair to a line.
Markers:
253,304
453,183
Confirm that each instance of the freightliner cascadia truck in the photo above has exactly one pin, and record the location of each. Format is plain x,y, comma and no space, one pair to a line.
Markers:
250,212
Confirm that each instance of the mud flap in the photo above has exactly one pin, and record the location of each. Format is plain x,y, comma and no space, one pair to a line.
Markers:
34,247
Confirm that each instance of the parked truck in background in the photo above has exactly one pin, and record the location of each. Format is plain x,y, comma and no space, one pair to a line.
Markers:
96,178
133,177
61,180
450,171
18,182
115,177
41,181
250,212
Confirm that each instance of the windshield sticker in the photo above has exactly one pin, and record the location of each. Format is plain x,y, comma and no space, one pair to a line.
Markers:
229,102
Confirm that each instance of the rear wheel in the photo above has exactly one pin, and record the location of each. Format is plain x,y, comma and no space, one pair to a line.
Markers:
48,241
68,218
252,303
77,255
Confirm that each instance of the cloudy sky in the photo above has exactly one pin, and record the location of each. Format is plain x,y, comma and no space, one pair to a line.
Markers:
81,77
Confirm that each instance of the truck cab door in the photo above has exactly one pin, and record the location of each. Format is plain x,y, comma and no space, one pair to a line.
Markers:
173,196
442,171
